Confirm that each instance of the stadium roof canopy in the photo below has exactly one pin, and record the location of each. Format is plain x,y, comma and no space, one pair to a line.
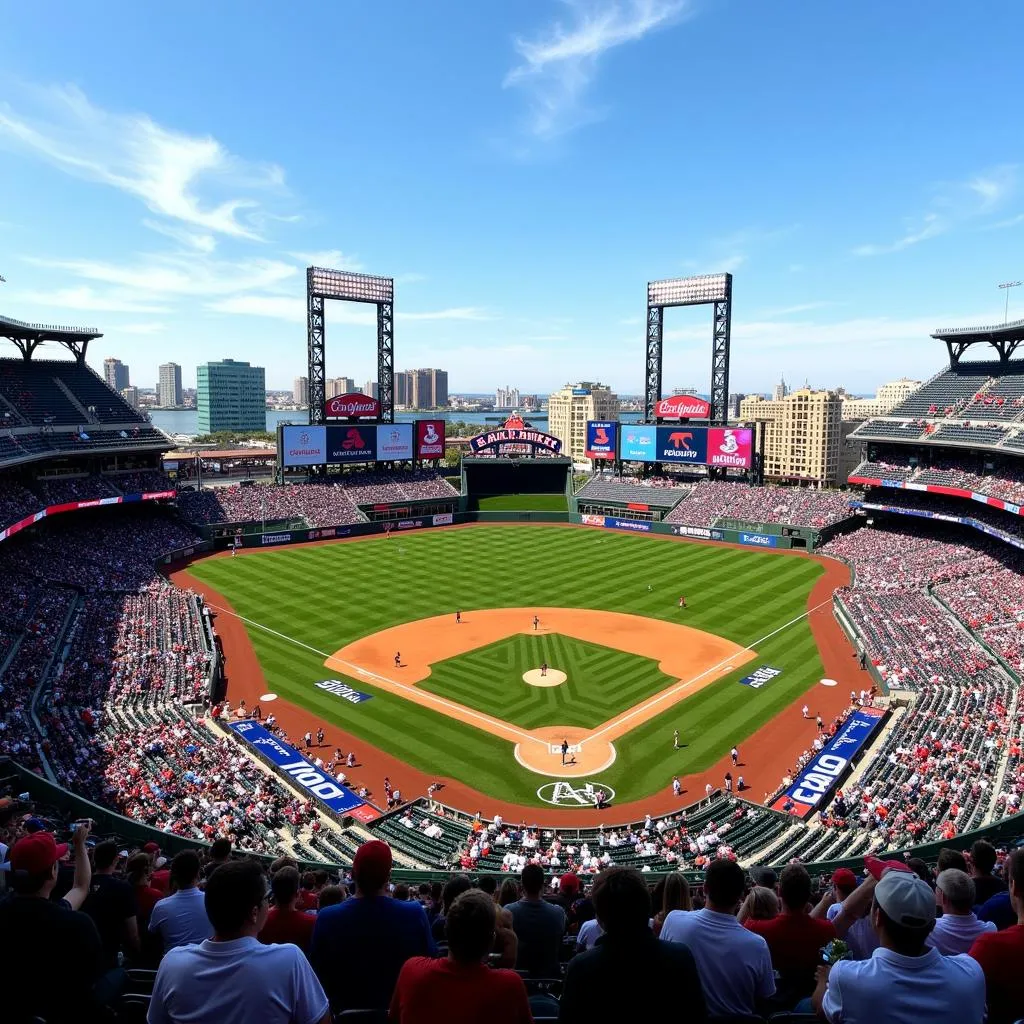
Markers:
1004,339
28,336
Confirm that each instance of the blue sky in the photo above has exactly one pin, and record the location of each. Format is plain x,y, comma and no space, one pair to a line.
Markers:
522,170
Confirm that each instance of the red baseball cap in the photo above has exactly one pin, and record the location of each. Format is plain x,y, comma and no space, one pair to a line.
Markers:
844,878
877,867
151,848
372,864
37,853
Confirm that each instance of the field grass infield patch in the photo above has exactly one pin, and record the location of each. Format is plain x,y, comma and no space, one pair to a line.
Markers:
601,681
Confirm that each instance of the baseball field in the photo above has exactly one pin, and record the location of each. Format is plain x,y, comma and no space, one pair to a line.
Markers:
567,636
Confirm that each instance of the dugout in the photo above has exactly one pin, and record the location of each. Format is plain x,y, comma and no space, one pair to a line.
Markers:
484,477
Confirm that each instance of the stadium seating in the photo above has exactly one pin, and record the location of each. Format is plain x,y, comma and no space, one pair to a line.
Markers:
659,491
712,500
948,391
318,504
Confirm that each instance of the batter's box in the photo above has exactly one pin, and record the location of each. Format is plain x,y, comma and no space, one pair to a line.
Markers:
556,748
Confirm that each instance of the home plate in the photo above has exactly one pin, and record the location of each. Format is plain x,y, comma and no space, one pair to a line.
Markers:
269,696
829,682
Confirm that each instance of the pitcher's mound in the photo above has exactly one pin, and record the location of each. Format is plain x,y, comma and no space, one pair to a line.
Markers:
553,678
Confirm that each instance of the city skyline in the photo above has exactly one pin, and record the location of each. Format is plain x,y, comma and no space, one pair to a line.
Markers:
173,203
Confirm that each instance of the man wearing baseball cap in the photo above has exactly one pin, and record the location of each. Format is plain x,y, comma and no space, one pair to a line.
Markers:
860,936
359,946
37,930
905,981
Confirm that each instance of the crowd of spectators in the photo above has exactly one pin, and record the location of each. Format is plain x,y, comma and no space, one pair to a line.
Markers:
231,940
318,504
712,500
370,488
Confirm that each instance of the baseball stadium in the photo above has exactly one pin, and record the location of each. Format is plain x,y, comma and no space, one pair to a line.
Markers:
660,661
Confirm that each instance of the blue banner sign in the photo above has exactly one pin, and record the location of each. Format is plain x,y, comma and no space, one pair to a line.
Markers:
681,443
822,773
291,763
602,437
639,442
343,690
758,540
639,525
764,674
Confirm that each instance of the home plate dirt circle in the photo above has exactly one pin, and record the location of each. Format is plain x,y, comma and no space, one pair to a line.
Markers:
536,678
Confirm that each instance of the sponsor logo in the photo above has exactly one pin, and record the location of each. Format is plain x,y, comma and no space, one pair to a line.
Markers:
322,534
640,525
536,439
443,519
759,540
429,439
717,535
601,436
761,676
352,405
566,794
729,447
353,439
591,520
679,438
679,406
343,690
409,524
394,441
275,538
692,531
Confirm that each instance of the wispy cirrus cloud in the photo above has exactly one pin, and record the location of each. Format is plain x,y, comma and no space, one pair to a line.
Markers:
293,308
333,259
557,68
187,179
952,205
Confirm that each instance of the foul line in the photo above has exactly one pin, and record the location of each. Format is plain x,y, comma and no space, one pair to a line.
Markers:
358,670
673,690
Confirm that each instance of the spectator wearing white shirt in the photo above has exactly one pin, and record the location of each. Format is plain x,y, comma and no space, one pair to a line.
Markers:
905,981
958,927
734,964
232,978
180,919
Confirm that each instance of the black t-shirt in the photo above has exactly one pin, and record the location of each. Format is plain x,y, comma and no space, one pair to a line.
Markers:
539,927
109,902
986,886
54,955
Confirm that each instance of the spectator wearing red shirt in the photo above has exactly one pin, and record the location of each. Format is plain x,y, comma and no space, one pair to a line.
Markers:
1001,954
794,937
285,922
308,899
461,989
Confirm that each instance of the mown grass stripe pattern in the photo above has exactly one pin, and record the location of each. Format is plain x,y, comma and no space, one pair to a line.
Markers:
326,596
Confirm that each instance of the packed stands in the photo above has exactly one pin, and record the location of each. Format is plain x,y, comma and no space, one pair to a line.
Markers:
371,488
713,500
318,504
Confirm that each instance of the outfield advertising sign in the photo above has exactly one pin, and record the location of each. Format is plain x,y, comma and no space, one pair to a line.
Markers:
295,767
394,442
636,525
758,540
601,440
822,773
639,442
343,690
304,446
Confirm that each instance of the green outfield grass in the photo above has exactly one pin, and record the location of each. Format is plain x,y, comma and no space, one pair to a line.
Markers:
522,502
321,597
601,681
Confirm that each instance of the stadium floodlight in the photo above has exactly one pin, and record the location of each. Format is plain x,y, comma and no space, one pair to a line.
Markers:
351,287
688,291
1006,286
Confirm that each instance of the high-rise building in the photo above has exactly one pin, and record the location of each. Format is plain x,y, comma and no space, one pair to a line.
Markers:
168,388
231,395
115,373
439,389
403,388
300,391
802,434
422,396
889,396
569,410
780,391
131,396
507,398
339,386
372,389
734,405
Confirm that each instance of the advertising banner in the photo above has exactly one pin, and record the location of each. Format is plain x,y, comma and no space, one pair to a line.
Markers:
758,540
394,442
822,773
352,405
443,519
430,439
536,439
639,442
601,440
351,444
730,447
275,538
291,763
592,520
343,690
682,407
700,532
637,525
682,444
761,676
303,446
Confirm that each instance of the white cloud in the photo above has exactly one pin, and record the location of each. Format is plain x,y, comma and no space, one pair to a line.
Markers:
558,67
202,241
85,299
952,205
149,328
333,259
186,178
455,313
283,307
